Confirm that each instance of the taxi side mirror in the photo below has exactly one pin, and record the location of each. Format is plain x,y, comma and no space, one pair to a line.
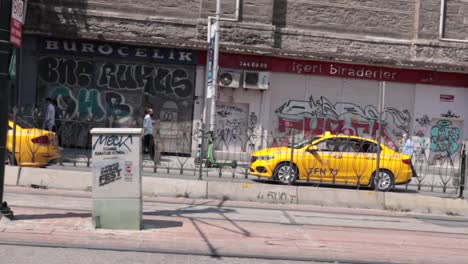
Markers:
312,149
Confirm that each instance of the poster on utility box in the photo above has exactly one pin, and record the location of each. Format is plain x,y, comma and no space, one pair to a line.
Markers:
116,166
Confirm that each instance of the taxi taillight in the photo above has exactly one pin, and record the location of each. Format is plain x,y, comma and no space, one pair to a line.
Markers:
42,140
407,161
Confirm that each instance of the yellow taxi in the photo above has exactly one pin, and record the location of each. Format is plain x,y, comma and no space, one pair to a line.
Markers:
34,147
331,158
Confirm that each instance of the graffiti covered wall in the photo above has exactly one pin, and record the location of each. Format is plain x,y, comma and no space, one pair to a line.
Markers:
314,117
445,140
439,128
114,94
232,120
438,140
340,106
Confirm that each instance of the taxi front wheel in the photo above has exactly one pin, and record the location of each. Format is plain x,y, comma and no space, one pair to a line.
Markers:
286,174
384,181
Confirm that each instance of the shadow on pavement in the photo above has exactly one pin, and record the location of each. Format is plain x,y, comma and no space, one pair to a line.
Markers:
147,223
160,224
213,250
50,216
189,210
182,212
198,222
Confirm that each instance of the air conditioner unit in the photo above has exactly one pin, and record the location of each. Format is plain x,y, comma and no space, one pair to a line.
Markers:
229,78
256,80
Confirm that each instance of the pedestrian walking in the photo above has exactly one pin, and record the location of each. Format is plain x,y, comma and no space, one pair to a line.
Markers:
408,148
148,140
49,121
57,116
58,122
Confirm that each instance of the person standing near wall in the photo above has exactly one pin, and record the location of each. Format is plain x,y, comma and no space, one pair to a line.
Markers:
148,140
408,148
49,121
58,122
57,116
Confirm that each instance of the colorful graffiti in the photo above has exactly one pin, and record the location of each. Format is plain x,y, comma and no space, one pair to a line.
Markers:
423,121
317,116
252,131
150,79
422,126
91,103
450,114
88,89
117,76
68,72
114,94
232,123
444,140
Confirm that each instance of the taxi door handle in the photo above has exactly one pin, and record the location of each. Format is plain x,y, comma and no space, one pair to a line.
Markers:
337,156
371,158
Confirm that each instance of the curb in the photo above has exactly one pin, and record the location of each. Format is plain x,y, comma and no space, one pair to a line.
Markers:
166,187
251,192
55,179
12,175
342,198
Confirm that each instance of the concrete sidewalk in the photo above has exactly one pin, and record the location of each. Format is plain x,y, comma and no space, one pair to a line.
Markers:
247,191
239,229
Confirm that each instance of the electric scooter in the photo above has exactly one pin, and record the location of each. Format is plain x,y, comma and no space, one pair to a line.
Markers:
210,161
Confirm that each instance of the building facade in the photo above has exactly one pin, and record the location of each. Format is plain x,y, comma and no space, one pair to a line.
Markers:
287,67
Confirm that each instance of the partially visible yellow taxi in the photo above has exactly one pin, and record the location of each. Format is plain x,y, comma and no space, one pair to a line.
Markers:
331,158
34,147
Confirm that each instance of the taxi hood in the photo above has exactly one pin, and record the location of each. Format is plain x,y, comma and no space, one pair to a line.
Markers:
272,151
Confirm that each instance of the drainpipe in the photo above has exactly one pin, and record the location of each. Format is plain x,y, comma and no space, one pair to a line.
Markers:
442,25
235,19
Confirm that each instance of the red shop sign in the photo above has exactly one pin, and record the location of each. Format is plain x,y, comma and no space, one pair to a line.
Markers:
333,69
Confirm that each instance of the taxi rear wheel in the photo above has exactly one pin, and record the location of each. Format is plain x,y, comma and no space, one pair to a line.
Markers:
384,182
286,174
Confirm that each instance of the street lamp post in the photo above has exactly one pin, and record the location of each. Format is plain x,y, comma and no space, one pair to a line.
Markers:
5,49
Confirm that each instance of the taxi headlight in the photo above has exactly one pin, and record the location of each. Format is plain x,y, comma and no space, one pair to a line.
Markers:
265,157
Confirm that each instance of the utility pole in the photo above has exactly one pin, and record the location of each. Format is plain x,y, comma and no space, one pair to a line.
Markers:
381,106
212,67
213,86
5,50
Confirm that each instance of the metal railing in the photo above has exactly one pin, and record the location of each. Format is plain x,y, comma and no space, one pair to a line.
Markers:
349,164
